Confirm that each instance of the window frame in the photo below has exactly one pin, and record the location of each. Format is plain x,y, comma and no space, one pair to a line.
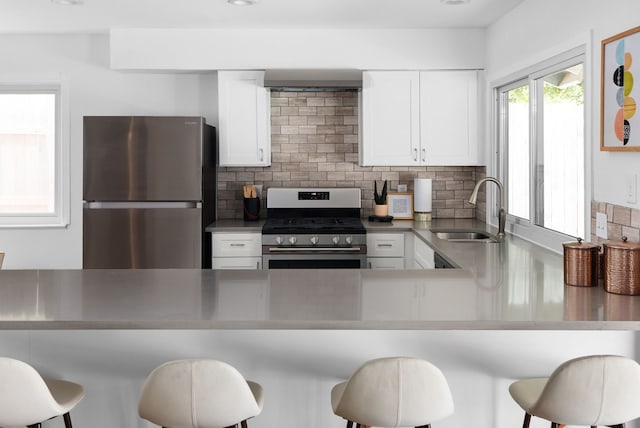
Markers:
527,228
59,218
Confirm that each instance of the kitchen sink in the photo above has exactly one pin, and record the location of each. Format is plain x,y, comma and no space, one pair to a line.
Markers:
460,235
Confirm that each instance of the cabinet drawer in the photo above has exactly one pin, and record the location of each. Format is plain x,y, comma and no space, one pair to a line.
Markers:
385,262
385,244
237,244
236,263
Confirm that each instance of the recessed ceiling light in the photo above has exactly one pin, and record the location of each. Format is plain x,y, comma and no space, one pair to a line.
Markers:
242,2
68,2
454,2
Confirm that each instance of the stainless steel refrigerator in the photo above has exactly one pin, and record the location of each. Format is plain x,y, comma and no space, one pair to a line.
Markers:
149,192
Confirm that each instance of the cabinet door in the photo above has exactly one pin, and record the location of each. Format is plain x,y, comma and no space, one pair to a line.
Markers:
390,118
243,120
449,117
423,255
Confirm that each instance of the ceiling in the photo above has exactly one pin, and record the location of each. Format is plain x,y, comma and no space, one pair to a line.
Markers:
98,16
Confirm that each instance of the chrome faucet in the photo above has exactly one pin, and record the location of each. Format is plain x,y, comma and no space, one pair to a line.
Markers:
502,214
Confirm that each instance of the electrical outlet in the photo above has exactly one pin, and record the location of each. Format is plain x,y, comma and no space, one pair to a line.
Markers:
402,187
631,188
601,225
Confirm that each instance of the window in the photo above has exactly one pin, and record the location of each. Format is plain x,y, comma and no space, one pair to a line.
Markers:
541,140
31,157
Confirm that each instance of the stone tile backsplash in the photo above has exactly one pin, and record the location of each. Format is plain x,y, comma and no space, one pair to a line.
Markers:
621,221
314,143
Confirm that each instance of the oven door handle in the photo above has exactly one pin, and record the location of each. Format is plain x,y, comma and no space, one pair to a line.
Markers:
318,249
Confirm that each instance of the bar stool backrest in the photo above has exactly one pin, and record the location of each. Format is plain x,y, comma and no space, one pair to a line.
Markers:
592,390
396,392
25,398
196,393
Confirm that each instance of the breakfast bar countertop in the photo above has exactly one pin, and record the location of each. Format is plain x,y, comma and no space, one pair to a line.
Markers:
513,285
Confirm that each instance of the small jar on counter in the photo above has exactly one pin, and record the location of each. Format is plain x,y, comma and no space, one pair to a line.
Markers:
581,263
622,267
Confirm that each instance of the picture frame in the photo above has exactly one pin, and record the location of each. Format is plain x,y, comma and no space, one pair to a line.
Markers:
400,205
619,120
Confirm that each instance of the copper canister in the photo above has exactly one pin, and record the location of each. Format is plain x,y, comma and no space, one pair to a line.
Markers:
622,267
581,263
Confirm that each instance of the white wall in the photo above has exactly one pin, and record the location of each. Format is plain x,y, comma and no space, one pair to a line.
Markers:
539,29
81,62
209,49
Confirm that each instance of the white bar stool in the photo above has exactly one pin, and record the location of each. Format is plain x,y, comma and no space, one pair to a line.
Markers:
591,391
393,392
26,399
198,394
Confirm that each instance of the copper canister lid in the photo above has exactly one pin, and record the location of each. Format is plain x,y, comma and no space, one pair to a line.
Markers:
581,245
624,245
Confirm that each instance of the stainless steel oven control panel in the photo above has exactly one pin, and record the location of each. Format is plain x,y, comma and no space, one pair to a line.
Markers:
313,240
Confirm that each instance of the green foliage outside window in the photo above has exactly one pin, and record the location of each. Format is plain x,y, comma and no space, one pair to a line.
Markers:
552,94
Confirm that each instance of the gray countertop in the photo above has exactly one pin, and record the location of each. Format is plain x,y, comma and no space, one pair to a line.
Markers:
235,226
513,285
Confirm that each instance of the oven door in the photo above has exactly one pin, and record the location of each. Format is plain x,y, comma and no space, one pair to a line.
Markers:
314,258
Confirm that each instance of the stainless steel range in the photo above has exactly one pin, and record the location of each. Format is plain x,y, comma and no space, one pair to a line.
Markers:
313,228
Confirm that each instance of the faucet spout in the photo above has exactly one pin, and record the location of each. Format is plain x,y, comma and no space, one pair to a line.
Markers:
502,213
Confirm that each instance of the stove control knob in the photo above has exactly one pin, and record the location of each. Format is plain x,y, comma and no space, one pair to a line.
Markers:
335,240
314,240
279,240
348,240
292,240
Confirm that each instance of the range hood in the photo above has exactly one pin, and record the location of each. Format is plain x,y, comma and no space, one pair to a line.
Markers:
313,80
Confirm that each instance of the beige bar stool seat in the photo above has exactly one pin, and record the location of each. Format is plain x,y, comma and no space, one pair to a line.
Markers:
393,392
199,393
596,390
26,399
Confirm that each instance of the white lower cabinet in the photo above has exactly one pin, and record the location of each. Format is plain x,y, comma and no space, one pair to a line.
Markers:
236,250
385,250
236,263
423,255
385,262
398,251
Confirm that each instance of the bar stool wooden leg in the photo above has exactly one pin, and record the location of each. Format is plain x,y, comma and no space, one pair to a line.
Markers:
67,420
349,424
527,420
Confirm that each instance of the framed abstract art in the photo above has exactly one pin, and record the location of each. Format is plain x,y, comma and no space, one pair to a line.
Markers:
619,118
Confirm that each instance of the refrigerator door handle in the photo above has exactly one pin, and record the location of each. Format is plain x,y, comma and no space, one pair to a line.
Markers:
130,205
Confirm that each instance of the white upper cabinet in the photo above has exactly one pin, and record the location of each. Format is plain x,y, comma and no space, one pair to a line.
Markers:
449,117
412,118
243,119
390,133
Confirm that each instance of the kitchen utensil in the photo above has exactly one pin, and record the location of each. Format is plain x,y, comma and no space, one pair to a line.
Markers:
622,267
581,263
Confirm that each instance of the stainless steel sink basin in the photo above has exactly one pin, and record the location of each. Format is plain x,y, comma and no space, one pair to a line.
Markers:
459,235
